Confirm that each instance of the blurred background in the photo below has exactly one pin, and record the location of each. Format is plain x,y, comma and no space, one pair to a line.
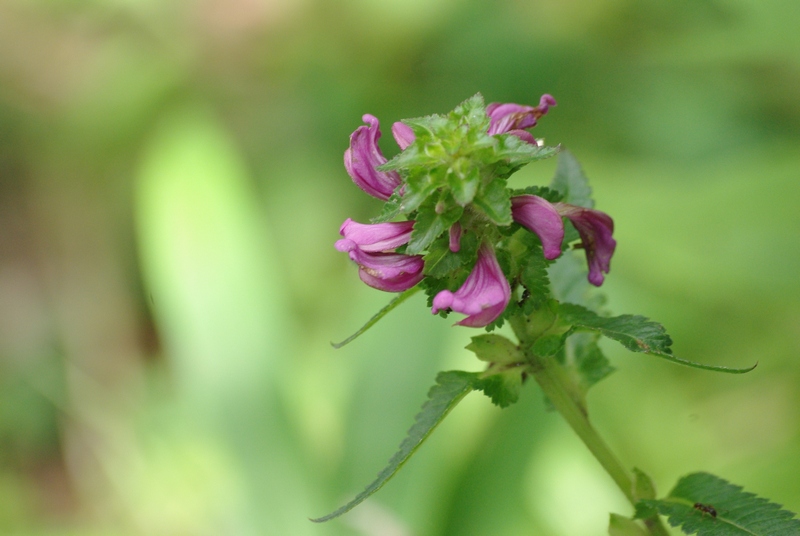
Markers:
171,185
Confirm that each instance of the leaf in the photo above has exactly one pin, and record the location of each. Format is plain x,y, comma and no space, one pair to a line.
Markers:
450,388
636,333
571,182
495,201
622,526
493,348
503,387
697,497
400,298
583,355
430,223
391,209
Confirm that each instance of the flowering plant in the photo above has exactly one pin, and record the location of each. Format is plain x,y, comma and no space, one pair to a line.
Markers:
452,227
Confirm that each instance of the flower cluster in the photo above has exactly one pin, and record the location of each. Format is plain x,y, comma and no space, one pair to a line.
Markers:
464,200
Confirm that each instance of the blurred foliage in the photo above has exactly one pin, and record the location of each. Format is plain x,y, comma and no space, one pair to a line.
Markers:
170,189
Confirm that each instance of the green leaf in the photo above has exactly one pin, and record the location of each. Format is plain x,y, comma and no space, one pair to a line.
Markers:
697,497
636,333
533,275
450,388
495,201
420,185
544,192
516,153
570,284
571,182
430,223
643,487
583,356
400,298
495,349
503,387
622,526
464,183
391,209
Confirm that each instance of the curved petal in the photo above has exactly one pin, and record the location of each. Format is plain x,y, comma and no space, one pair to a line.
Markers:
363,157
595,229
483,296
374,237
390,272
403,135
507,117
539,216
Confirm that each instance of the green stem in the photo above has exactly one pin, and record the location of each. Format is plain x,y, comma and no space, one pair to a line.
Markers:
553,380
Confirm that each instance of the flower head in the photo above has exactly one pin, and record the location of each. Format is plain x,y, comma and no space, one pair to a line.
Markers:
363,157
483,296
370,245
541,218
595,229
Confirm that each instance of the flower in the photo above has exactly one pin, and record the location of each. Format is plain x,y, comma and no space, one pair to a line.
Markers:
363,157
369,245
403,134
483,296
510,118
541,218
595,229
455,237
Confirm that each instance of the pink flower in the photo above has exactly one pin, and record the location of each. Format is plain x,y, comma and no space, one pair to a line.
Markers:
455,237
513,118
483,296
363,157
370,245
541,218
403,135
595,229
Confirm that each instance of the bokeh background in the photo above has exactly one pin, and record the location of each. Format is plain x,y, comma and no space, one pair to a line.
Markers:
171,185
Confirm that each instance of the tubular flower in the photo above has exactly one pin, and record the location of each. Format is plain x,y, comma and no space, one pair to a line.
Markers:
455,237
595,229
403,135
363,157
483,296
514,118
369,246
541,218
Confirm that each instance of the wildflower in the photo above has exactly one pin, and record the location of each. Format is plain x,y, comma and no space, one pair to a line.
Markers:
595,229
455,237
510,118
370,245
541,218
403,134
483,296
363,157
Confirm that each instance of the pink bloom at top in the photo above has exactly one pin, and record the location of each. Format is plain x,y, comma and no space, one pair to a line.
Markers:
370,245
403,134
541,218
483,296
513,118
363,157
595,229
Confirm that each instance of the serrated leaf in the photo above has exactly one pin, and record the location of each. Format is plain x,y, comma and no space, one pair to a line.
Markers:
495,201
391,209
544,192
622,526
451,387
636,333
533,275
497,349
697,497
583,355
430,224
571,181
517,153
400,298
502,388
464,184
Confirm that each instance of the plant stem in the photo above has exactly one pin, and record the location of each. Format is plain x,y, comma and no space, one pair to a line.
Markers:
553,380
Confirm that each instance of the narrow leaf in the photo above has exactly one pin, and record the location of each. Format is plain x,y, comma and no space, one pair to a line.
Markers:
636,333
400,298
571,182
450,388
710,506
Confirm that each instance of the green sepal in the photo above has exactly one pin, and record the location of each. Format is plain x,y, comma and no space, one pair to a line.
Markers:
397,300
495,349
451,387
634,332
696,498
463,183
622,526
571,182
433,219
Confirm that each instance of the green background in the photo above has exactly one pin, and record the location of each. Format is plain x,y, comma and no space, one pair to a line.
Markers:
171,185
